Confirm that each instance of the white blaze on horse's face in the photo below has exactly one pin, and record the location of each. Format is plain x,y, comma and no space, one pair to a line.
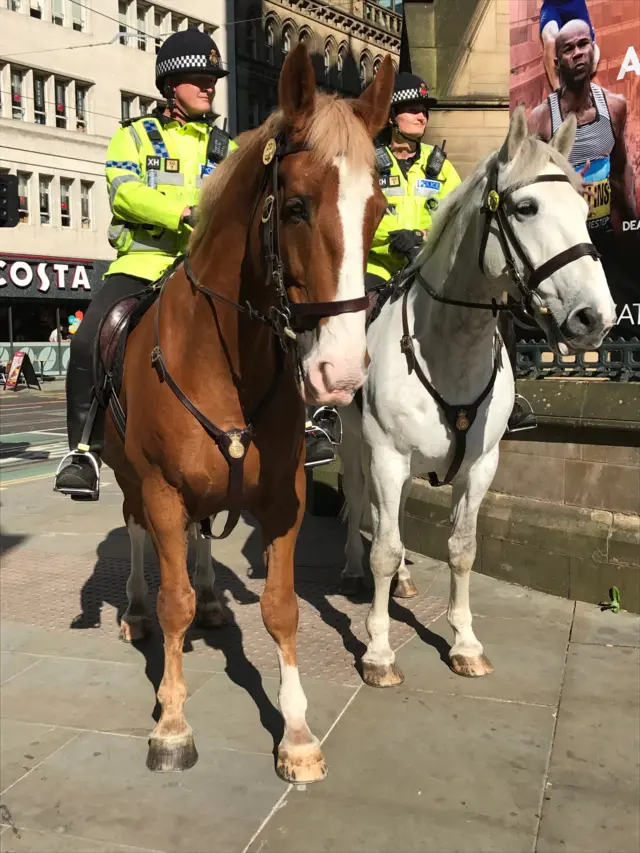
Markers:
333,366
550,218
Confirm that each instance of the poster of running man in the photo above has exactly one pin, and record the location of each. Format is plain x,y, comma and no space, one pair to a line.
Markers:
583,56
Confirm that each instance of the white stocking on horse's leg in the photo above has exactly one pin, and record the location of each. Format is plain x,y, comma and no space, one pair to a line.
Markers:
300,758
354,488
209,611
403,586
389,473
171,745
467,655
134,624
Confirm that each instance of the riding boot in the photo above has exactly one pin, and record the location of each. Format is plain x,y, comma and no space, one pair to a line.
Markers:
78,474
323,430
522,416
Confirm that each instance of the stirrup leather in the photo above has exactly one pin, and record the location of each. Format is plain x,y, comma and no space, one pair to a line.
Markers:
89,494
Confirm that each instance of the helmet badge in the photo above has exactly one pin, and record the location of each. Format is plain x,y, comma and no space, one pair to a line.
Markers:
424,92
214,57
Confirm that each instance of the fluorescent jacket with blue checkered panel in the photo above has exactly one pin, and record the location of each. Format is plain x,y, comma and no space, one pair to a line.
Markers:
411,202
155,168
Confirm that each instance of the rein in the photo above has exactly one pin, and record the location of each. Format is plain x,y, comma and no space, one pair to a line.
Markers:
461,418
285,319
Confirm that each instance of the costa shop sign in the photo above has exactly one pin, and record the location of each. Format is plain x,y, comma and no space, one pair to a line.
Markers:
52,278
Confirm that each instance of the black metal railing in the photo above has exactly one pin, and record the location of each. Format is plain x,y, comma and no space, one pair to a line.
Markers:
617,359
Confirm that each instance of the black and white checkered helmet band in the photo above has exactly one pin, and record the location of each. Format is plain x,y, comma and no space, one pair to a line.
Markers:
408,95
192,62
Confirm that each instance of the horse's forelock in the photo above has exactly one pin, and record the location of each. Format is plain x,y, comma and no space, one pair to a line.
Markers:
332,130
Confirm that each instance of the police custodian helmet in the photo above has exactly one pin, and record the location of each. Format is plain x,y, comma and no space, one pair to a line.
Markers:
410,89
188,51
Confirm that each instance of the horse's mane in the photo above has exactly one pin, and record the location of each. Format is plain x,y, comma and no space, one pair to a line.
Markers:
532,158
332,130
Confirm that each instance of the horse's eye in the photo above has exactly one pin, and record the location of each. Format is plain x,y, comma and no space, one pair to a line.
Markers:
527,208
296,209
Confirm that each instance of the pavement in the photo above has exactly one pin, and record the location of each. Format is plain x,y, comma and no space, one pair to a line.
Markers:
540,756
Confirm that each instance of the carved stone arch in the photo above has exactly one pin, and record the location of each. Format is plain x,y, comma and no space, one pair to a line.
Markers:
329,55
365,69
272,35
288,38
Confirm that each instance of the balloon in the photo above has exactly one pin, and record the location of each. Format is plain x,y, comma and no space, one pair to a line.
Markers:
79,315
73,330
71,319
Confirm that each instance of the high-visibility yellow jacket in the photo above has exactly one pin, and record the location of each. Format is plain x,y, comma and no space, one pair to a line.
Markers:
155,168
412,200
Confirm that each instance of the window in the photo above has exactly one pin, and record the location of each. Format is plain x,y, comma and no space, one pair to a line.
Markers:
81,106
123,8
126,106
35,9
39,103
254,112
363,74
340,68
85,203
287,41
65,202
14,5
176,23
45,193
57,12
146,106
327,63
61,103
17,108
158,18
376,66
270,41
252,41
23,196
208,30
142,18
77,20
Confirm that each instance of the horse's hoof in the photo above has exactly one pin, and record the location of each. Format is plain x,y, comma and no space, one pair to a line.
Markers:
404,589
301,764
352,586
213,617
471,667
135,631
381,675
172,754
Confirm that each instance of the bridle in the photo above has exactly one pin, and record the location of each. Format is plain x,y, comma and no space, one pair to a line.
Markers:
494,210
286,319
460,418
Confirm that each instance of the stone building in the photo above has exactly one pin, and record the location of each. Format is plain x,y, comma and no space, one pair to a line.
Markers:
70,70
347,39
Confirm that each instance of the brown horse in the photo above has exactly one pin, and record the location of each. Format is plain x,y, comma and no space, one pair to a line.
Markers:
268,310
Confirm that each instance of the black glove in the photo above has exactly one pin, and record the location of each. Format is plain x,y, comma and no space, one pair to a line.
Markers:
405,242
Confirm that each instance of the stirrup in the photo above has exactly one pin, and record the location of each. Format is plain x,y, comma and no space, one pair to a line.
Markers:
526,412
336,422
79,493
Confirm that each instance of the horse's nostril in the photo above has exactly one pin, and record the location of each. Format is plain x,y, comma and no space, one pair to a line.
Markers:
585,317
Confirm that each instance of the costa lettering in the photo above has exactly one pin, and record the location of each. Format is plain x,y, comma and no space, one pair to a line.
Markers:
31,274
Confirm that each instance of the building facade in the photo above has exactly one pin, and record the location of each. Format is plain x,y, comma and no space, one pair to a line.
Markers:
70,71
347,40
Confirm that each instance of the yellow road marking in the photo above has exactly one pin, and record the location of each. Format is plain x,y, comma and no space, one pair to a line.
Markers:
5,483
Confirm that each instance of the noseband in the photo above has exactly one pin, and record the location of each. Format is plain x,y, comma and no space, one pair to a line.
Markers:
493,208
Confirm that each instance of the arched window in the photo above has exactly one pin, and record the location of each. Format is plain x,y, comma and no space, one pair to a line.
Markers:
306,38
377,65
363,74
327,62
270,42
342,55
287,41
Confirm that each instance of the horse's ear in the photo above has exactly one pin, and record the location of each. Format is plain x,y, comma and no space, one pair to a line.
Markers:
564,137
515,137
297,88
373,104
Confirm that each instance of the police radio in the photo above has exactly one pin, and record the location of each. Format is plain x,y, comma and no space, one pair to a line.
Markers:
383,159
435,161
218,144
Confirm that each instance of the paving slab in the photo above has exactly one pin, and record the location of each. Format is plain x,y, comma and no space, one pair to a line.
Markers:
527,654
32,841
412,772
12,663
602,627
24,745
591,801
98,787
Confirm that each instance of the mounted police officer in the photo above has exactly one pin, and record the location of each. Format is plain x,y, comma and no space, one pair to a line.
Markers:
414,178
155,167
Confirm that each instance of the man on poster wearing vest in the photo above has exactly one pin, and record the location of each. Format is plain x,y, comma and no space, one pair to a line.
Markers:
155,167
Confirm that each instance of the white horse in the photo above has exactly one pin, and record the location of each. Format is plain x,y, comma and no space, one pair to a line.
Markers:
517,223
